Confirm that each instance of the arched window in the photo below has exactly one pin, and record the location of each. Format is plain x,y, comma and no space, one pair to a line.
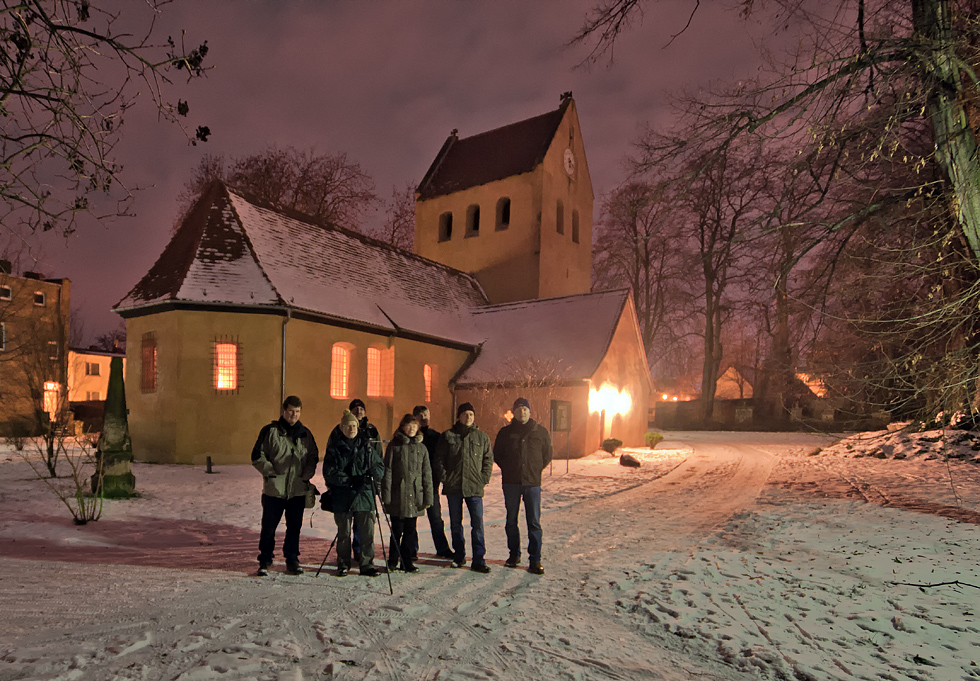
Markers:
560,217
575,226
373,372
503,213
428,374
445,226
340,370
473,221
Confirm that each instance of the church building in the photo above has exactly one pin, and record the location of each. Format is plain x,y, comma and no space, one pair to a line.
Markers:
249,303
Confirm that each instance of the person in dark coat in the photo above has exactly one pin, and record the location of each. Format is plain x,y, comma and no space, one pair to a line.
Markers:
286,455
351,468
430,438
464,463
406,491
522,451
367,432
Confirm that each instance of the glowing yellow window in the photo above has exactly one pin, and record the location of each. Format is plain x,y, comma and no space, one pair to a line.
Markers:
339,370
52,395
373,372
427,375
226,366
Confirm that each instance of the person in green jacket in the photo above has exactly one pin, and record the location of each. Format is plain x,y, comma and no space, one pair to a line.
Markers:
464,463
406,491
286,455
351,469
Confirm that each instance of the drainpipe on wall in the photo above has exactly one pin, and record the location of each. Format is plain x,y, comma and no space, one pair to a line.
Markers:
282,384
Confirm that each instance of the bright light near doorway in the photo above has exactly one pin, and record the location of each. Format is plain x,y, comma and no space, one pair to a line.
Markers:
609,399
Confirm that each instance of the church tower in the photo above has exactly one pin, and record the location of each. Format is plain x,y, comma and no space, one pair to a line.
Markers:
513,207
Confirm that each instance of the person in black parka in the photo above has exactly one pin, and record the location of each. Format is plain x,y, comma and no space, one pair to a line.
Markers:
351,469
430,438
522,451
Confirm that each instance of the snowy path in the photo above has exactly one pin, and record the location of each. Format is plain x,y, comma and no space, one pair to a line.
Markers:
745,558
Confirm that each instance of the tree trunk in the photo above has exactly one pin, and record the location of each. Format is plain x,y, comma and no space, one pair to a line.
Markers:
956,143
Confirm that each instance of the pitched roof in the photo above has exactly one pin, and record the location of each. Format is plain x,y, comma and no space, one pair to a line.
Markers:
493,155
569,336
234,251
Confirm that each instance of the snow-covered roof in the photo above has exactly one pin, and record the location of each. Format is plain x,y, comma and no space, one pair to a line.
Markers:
233,251
566,336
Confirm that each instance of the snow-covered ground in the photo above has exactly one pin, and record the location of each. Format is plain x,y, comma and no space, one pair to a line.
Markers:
725,556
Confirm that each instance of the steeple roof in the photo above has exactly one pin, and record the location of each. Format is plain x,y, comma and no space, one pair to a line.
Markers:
493,155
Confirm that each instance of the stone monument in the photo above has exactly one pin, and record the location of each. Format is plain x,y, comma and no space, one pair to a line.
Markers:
114,453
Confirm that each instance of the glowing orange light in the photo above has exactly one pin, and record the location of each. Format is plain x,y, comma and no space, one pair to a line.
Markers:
226,366
339,367
675,398
664,396
607,398
373,372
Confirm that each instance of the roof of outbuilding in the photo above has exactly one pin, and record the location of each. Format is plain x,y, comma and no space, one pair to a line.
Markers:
234,251
565,338
493,155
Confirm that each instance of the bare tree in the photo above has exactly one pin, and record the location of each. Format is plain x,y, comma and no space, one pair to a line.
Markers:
917,55
880,98
112,341
399,223
329,188
638,244
68,74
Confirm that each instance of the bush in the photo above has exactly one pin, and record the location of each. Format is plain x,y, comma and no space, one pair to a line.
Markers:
653,439
611,445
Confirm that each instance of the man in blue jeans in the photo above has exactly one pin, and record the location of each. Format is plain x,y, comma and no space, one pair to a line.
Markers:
464,463
522,450
430,438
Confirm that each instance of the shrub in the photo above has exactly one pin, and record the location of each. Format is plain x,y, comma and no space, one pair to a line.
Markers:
653,439
611,445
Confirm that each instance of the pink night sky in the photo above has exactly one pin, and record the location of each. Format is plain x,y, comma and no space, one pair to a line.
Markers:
386,82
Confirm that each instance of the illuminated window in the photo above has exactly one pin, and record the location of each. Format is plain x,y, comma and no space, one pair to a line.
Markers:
388,372
339,371
52,392
373,372
427,375
226,365
148,363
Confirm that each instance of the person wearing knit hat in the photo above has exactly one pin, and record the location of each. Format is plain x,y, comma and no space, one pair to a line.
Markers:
464,462
351,469
286,455
522,451
367,432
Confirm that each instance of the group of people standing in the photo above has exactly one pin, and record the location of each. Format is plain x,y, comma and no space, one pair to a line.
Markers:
406,477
